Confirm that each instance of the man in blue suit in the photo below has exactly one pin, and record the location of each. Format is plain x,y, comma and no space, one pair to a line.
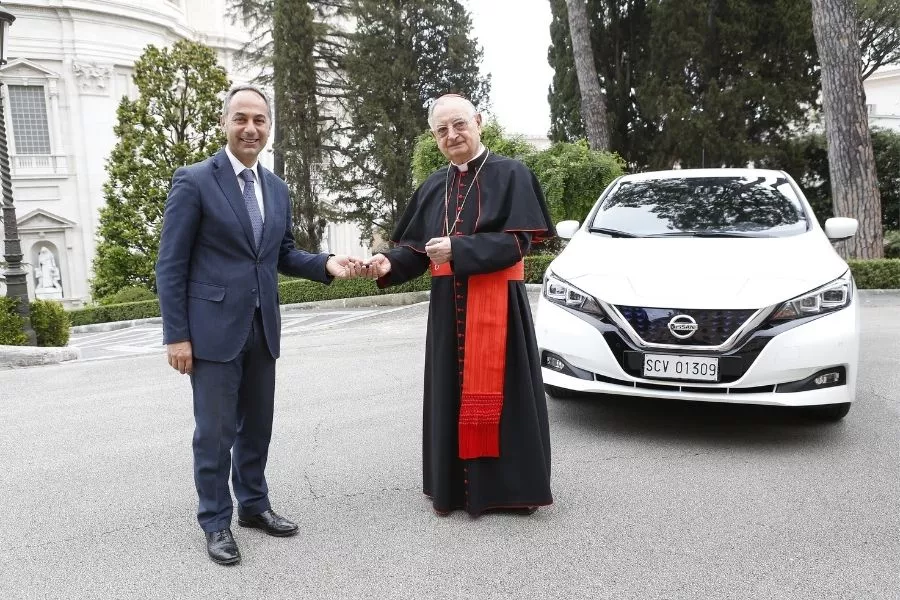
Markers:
226,234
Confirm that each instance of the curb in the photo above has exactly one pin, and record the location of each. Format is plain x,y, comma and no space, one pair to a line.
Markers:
30,356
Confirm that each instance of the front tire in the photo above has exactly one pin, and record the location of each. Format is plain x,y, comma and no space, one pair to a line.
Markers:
559,393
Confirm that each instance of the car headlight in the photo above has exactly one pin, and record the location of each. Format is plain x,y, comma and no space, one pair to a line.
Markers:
830,297
560,291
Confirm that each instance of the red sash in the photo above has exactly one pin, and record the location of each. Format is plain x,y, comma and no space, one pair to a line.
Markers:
487,312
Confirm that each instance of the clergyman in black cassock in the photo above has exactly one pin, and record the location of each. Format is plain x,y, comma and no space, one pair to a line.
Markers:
486,440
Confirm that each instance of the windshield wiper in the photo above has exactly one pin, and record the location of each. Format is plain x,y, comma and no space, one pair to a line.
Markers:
711,234
613,232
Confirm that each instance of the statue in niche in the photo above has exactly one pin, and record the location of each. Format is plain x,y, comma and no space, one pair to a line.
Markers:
46,275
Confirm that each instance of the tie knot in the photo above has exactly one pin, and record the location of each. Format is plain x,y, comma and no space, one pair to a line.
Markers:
247,175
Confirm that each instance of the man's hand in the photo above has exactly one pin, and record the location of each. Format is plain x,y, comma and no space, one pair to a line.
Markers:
377,266
344,267
439,250
181,357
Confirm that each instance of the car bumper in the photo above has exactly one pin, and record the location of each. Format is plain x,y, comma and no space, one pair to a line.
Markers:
799,352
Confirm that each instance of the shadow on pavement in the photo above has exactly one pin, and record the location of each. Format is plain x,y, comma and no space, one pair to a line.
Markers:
693,424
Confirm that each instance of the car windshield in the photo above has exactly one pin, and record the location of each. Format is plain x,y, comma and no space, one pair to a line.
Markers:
724,206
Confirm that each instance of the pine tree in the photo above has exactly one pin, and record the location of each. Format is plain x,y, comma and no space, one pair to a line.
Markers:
726,81
402,55
593,102
173,122
854,184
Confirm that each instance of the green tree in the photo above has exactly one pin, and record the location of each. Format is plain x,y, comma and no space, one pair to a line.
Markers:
173,122
620,31
879,33
805,158
593,101
563,96
572,177
402,55
298,50
295,34
671,69
724,81
851,159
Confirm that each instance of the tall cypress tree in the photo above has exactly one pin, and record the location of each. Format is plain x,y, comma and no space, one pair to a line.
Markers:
297,50
299,141
402,55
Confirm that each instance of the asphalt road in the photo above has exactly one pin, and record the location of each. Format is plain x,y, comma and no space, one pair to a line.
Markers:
654,500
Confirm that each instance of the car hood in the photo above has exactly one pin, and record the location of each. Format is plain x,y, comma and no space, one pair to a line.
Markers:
734,273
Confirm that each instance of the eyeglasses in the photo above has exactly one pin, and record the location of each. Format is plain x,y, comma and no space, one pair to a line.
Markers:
459,126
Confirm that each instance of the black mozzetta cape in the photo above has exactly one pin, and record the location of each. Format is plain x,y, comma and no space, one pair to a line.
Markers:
493,220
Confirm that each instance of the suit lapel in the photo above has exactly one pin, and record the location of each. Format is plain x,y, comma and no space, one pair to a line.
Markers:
227,181
271,216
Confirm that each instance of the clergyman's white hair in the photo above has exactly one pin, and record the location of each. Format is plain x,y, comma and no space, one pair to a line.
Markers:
448,98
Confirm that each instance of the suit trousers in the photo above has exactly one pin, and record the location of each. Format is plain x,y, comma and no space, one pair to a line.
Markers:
233,409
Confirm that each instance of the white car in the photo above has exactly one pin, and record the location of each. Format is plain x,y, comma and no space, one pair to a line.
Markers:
710,284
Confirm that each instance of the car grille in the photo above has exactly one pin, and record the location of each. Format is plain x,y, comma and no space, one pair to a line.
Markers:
713,326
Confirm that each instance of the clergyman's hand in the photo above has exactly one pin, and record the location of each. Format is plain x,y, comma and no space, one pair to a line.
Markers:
343,267
377,266
181,357
439,250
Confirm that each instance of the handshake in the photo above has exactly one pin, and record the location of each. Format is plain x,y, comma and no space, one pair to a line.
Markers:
439,251
351,267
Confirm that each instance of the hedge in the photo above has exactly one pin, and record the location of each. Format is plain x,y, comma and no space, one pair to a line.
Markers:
869,274
115,312
877,273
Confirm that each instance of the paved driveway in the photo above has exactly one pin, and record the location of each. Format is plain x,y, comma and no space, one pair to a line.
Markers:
654,500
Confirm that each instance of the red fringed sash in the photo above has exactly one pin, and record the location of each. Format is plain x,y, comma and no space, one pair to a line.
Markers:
487,311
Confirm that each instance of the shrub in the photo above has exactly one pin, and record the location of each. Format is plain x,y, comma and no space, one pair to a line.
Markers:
535,265
892,244
50,322
115,312
302,290
876,273
133,293
573,176
11,324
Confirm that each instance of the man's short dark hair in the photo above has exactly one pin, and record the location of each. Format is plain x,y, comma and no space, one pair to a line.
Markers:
245,87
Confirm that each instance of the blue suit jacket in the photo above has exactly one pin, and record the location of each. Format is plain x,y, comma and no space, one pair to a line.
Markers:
209,274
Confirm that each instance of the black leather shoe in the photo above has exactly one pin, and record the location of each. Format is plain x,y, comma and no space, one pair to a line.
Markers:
222,548
271,523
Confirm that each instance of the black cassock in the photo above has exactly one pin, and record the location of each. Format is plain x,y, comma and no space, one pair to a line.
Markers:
494,211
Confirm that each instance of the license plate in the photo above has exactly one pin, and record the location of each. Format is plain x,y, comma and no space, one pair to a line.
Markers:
698,368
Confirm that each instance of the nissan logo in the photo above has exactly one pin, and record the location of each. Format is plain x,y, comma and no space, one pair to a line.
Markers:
683,326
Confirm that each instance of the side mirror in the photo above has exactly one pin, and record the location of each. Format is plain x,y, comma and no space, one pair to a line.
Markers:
841,228
566,229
